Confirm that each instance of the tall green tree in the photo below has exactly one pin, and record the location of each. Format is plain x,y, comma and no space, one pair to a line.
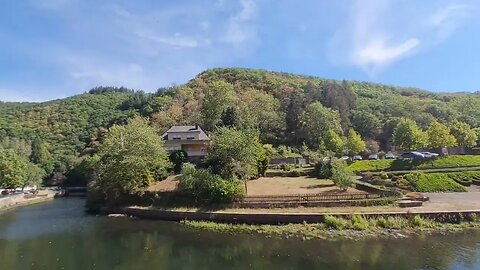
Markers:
463,133
317,121
235,153
354,143
408,135
218,96
131,158
17,171
333,142
439,136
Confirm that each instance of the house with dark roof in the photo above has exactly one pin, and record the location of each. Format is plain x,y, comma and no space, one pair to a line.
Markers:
191,139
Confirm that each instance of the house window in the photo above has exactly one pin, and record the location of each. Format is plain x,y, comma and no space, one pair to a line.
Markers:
177,137
190,137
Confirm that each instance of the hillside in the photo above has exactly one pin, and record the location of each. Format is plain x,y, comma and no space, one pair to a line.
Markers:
55,133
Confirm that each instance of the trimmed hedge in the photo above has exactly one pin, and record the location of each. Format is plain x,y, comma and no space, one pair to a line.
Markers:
410,164
465,178
433,182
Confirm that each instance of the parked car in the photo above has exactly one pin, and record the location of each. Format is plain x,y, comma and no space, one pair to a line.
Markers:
357,157
389,156
373,157
344,158
430,154
413,154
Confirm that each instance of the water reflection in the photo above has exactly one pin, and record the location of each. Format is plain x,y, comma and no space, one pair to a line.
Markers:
58,234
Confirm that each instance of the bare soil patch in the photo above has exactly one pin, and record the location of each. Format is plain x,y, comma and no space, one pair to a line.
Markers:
169,184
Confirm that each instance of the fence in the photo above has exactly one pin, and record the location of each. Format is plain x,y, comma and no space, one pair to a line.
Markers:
300,198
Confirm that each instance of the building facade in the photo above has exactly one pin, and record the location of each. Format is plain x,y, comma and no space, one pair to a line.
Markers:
191,139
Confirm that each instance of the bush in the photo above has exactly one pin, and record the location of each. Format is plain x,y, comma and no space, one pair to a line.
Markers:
383,175
359,223
178,158
294,173
433,182
466,178
204,186
342,177
418,221
323,169
286,167
335,223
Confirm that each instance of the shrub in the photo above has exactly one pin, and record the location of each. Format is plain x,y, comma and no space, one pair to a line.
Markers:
359,223
286,167
342,177
335,223
323,169
383,175
433,182
294,173
418,221
204,186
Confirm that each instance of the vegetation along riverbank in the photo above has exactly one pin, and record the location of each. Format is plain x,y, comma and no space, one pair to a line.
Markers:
344,228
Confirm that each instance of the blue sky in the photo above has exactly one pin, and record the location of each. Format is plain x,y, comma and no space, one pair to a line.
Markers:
56,48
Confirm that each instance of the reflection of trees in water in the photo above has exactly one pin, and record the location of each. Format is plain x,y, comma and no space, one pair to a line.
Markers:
125,244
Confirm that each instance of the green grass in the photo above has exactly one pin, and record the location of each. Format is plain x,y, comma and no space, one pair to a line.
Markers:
336,227
465,178
416,164
433,182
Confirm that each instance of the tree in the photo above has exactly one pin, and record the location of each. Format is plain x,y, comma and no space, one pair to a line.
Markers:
332,142
439,136
342,176
17,171
13,169
317,121
354,143
367,124
463,133
408,135
339,97
235,153
178,158
218,96
230,117
131,158
261,111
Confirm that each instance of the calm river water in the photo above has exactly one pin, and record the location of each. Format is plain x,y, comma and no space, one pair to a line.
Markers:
58,235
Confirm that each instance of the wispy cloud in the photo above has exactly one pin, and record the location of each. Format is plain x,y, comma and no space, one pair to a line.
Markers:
380,33
240,26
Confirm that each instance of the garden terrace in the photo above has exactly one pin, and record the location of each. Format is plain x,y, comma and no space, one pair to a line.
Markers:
416,164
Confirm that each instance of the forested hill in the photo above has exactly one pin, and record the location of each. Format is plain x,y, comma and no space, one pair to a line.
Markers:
53,134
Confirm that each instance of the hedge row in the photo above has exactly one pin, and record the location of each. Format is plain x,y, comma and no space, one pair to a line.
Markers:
433,182
465,178
410,164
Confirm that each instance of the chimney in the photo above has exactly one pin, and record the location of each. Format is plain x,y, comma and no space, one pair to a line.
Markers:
196,126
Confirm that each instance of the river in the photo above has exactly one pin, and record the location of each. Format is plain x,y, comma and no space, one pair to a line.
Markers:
59,235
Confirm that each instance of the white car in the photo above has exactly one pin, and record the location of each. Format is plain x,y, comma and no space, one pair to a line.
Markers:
429,154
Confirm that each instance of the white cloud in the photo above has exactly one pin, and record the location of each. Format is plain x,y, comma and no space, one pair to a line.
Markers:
447,19
379,33
240,27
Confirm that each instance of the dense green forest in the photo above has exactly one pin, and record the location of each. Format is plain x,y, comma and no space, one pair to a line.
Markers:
300,112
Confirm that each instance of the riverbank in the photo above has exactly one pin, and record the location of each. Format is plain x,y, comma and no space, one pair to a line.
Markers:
13,201
334,228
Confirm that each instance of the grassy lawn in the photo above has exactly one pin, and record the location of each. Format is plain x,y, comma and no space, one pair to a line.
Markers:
292,185
404,164
434,182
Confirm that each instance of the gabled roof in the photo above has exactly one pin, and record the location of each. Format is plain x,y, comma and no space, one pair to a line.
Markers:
188,129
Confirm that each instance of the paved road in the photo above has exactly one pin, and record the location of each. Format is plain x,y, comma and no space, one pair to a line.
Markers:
451,201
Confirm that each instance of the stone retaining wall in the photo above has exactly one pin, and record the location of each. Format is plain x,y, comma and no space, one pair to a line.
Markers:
23,199
275,218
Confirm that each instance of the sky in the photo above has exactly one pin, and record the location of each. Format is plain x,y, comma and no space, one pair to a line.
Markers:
52,49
